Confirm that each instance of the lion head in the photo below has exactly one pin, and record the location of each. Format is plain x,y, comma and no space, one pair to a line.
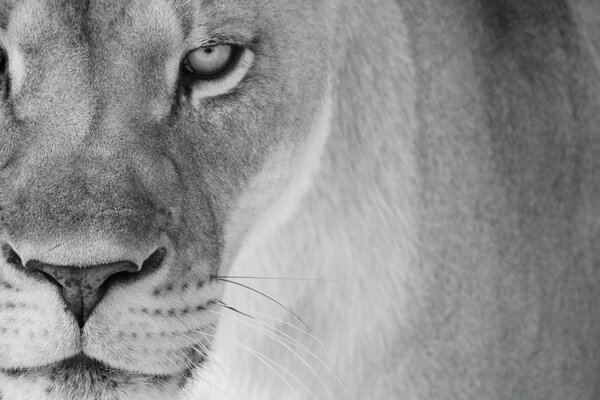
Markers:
141,143
299,199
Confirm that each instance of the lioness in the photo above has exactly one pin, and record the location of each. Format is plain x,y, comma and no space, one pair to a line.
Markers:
299,199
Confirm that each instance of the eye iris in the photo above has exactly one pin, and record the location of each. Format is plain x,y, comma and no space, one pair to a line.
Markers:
209,60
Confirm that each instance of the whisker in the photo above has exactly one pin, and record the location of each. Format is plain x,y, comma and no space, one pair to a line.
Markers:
189,340
282,341
243,393
326,348
235,310
269,278
213,360
205,349
275,334
168,360
270,298
130,344
266,360
192,364
292,341
180,320
281,332
283,338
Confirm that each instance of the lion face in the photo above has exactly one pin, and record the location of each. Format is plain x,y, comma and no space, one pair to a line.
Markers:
141,142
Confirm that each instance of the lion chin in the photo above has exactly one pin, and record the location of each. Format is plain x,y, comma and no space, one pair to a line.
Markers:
80,377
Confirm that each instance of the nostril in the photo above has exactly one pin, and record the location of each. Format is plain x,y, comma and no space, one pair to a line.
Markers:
150,265
13,258
10,256
49,278
154,261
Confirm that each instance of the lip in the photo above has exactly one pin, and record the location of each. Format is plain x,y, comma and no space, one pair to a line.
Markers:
79,364
82,361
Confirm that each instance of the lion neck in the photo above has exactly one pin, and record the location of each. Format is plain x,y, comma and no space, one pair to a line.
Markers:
471,225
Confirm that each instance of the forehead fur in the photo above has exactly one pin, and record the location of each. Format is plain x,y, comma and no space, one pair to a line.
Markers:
156,32
101,69
210,15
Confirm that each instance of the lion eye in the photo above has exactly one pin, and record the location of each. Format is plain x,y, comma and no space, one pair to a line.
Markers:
210,61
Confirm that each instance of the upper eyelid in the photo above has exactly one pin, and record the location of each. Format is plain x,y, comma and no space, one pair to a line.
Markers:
212,44
217,42
214,38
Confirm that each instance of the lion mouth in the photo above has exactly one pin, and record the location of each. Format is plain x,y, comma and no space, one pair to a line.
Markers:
82,366
146,326
78,376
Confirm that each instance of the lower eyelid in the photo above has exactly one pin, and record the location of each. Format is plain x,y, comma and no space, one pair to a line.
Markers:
225,83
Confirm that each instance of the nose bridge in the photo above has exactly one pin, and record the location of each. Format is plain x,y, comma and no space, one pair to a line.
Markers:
122,161
95,176
82,188
108,178
103,191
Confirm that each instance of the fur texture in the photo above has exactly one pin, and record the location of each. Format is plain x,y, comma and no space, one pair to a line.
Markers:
412,184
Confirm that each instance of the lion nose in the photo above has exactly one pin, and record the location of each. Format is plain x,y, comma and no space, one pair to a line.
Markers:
82,288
